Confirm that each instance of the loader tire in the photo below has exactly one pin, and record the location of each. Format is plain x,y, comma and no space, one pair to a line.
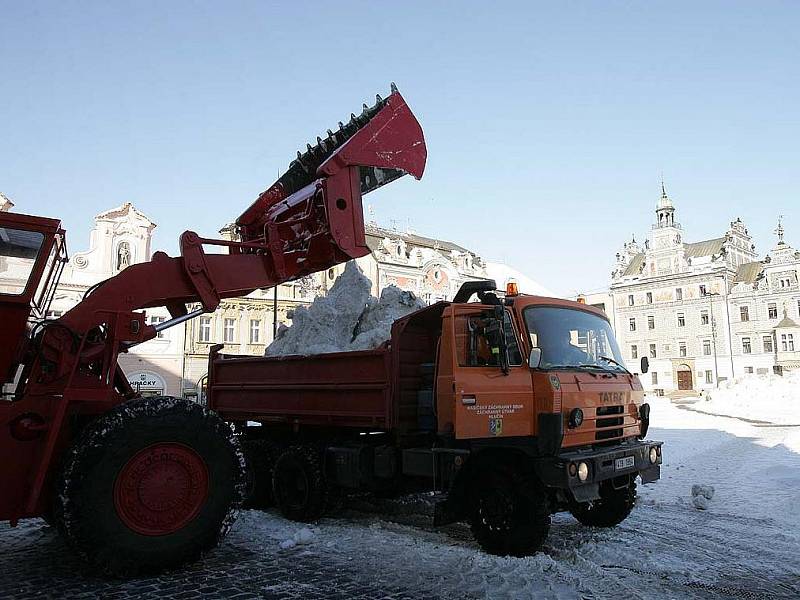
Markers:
510,513
611,509
260,456
150,485
298,484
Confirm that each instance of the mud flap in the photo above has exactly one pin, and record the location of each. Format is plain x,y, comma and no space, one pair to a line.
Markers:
586,493
650,475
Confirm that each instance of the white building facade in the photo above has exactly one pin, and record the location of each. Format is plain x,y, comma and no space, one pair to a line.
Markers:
704,312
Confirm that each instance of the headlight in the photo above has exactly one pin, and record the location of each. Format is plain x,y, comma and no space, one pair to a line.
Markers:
583,471
653,455
575,417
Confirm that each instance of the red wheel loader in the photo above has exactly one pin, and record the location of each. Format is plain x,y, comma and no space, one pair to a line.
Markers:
142,484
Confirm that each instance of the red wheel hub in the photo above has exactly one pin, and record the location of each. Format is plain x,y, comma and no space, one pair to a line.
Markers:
161,489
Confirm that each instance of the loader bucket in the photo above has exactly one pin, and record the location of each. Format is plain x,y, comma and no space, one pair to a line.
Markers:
385,141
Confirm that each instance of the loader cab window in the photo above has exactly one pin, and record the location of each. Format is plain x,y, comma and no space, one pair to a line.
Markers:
572,339
19,250
476,348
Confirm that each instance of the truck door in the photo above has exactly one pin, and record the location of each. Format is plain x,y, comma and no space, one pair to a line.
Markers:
488,402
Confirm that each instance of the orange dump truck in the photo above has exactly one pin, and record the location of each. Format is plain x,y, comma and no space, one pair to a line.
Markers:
514,406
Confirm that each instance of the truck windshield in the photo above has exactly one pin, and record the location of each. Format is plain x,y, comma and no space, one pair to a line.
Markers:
18,252
573,339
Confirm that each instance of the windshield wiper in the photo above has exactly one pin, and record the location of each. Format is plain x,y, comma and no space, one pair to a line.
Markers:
614,362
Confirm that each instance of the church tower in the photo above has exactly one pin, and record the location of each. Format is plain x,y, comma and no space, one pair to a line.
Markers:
665,251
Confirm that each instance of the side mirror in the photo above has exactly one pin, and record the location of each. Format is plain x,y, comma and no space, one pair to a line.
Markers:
645,366
535,359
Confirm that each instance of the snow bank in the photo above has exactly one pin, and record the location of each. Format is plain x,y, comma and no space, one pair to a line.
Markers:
768,398
347,318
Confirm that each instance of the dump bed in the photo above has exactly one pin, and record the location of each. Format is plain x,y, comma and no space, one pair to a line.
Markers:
344,389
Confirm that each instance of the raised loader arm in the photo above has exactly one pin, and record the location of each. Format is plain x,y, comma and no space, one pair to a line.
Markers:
309,220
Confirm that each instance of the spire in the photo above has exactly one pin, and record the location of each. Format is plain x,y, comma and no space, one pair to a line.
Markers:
779,231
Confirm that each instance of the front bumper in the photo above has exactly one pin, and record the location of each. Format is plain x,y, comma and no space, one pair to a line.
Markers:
601,463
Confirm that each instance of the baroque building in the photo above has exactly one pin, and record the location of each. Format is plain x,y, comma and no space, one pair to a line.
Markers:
704,312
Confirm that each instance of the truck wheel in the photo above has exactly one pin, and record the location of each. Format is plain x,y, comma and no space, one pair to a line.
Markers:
260,456
510,515
298,484
150,485
611,509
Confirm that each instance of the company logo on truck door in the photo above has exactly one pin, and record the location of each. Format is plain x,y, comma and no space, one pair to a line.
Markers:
615,397
496,426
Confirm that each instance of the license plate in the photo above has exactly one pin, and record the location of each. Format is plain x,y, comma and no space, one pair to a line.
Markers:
624,463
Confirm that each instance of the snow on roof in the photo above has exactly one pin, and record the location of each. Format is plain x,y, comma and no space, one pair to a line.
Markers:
502,273
378,233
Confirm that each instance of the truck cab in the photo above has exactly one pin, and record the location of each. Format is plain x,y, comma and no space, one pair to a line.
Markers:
543,379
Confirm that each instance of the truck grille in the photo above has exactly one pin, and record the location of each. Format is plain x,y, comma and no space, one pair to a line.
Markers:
609,426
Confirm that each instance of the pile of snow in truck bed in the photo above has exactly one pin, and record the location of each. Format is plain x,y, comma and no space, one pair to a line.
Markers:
347,318
770,398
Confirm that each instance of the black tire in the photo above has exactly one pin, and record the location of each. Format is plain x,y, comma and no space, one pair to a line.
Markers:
298,484
510,515
150,485
611,509
260,456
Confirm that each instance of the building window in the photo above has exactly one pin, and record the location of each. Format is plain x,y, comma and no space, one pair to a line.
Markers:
768,346
772,310
709,377
649,297
654,377
786,282
744,313
681,320
707,347
632,324
228,330
630,299
682,349
679,293
155,320
748,370
53,314
787,342
255,331
703,317
651,322
703,290
634,351
746,348
652,351
205,329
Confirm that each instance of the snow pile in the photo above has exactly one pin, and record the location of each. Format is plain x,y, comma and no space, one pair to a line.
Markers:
702,495
302,538
770,398
348,318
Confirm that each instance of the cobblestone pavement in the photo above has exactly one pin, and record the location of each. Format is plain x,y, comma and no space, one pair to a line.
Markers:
35,563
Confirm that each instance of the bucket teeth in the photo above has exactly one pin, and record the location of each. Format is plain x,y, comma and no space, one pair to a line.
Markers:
302,170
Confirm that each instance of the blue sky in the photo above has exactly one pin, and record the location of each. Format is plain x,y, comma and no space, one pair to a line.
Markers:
548,124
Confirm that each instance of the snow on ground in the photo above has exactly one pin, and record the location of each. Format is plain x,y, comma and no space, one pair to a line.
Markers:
502,274
347,318
746,543
770,398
